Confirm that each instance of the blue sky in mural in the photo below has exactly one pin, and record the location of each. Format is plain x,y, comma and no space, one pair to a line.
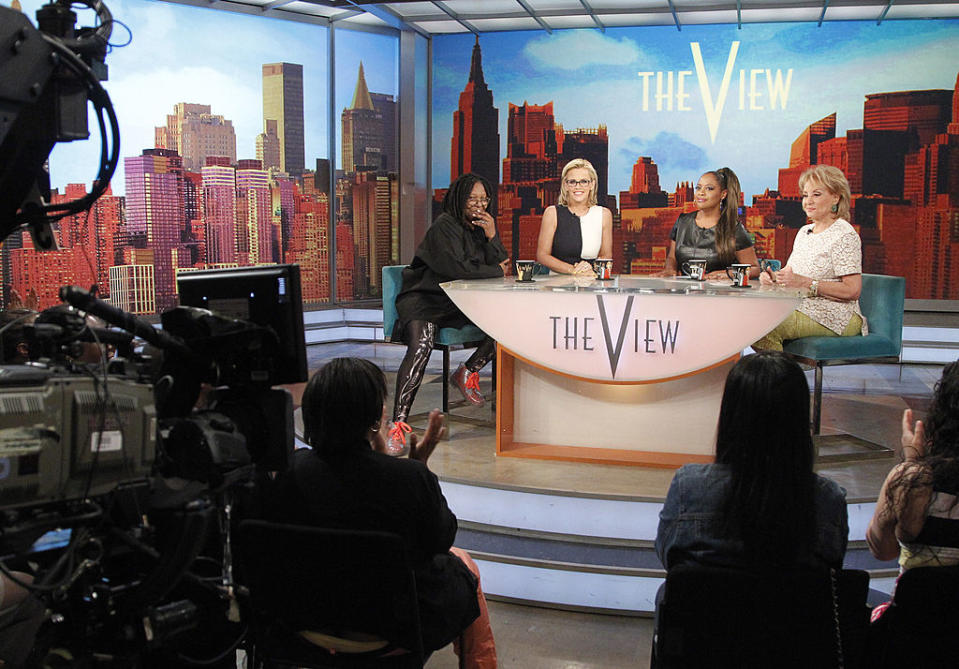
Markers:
594,78
187,54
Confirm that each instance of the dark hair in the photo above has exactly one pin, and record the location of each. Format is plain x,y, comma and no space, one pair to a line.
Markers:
454,202
764,439
939,467
341,403
728,214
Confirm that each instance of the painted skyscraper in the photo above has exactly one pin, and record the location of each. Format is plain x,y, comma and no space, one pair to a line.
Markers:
193,131
593,145
155,213
369,129
219,213
475,144
268,145
283,103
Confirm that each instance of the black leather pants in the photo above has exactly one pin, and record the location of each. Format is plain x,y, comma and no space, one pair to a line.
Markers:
482,355
420,336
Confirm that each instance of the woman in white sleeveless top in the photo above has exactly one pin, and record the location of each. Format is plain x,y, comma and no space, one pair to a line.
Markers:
577,229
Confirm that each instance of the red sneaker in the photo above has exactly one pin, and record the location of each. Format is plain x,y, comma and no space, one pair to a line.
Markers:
396,445
468,384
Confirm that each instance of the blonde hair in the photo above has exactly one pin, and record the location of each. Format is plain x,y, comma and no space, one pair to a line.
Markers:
832,179
574,164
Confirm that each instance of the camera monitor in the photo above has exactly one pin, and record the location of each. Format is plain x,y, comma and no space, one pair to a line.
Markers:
268,295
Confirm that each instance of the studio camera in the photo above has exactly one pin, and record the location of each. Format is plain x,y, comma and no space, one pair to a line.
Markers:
120,481
126,451
48,77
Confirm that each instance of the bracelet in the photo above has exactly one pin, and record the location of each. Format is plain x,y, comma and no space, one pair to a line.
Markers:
813,289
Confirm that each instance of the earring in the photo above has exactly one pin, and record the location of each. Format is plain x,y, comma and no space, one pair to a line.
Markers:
375,427
835,208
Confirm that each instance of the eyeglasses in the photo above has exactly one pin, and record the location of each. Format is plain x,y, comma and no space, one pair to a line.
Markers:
482,201
572,183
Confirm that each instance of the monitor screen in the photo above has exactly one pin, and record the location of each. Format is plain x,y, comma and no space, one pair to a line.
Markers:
267,295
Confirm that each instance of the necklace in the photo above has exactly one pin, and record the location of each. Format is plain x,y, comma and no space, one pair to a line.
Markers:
577,214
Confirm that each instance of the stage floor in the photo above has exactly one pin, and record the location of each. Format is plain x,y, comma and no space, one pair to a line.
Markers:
865,401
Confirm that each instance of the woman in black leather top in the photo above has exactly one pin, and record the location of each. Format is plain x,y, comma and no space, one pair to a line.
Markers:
712,233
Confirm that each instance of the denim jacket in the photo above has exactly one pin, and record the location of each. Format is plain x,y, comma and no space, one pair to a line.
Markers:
689,530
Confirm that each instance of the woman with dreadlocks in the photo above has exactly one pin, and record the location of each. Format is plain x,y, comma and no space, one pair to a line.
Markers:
461,244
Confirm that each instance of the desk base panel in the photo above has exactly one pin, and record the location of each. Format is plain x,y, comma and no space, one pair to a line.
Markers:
550,416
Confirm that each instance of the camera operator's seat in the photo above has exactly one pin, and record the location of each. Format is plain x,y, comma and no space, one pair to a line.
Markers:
328,598
447,339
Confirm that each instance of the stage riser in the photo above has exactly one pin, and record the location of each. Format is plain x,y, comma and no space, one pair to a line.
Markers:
557,513
594,592
586,553
591,591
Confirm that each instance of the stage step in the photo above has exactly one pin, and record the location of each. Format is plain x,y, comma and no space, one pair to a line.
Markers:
581,571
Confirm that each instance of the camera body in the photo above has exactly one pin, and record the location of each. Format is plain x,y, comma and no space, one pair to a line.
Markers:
121,482
61,438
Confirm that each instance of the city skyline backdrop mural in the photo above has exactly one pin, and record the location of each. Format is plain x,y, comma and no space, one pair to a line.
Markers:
653,108
225,156
224,160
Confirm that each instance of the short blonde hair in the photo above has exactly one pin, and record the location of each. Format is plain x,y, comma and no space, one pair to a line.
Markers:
574,164
832,179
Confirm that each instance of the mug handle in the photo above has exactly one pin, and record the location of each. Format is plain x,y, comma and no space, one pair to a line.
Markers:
685,268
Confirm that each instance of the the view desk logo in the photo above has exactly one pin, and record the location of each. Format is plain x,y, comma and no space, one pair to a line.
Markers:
645,335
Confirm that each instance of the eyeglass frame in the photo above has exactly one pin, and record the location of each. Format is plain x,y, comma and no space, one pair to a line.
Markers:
573,183
484,201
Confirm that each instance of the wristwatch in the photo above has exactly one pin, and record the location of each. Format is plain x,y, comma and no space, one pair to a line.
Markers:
813,288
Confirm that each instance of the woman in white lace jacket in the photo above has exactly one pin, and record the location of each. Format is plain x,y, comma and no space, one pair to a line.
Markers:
826,263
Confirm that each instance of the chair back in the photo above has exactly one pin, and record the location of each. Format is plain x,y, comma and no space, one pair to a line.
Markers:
714,617
392,283
919,628
335,581
882,301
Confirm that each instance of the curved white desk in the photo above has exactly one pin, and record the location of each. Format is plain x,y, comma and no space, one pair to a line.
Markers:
626,371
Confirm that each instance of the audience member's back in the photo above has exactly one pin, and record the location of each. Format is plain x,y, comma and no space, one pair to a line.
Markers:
345,481
759,504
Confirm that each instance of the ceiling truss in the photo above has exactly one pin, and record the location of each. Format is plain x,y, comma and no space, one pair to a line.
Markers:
431,17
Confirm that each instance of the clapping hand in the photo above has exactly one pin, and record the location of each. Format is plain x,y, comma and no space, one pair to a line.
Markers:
434,432
913,437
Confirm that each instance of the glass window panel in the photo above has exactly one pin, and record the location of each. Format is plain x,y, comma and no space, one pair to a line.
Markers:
219,155
367,186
